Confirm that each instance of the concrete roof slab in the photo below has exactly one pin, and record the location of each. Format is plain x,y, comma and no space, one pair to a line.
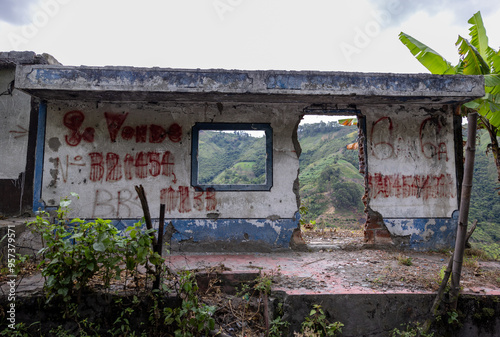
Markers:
164,84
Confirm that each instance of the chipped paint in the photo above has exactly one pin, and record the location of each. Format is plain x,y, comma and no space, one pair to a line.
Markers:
425,233
264,233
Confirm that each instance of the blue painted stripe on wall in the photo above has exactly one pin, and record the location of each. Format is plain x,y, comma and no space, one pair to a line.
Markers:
425,233
275,233
39,152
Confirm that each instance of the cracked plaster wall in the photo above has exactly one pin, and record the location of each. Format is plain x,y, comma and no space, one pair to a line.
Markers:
411,177
84,155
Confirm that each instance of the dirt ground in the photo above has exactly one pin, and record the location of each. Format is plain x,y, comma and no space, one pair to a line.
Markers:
385,269
336,262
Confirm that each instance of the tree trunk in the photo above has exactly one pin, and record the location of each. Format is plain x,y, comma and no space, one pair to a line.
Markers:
458,253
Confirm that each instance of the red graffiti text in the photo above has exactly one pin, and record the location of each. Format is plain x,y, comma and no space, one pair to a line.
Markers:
73,120
157,133
386,142
179,200
406,186
142,133
111,167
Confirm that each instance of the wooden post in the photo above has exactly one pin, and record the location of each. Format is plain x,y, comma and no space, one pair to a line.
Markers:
160,229
463,217
145,208
158,247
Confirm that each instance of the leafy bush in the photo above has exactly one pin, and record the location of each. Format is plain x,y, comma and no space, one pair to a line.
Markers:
75,251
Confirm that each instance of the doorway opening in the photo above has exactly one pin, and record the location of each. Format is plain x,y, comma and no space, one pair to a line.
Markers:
331,185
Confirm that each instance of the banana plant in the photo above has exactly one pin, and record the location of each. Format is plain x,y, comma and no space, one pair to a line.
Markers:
475,58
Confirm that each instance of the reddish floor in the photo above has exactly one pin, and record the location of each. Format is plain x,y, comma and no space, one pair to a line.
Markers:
334,272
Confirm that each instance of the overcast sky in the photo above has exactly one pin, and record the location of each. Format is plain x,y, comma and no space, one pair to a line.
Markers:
355,35
328,35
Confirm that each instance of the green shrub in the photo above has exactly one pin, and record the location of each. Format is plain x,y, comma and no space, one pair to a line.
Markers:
75,251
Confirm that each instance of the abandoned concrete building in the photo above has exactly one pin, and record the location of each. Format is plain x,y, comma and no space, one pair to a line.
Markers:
99,131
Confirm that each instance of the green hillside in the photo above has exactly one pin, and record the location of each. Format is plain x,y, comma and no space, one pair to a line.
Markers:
330,185
485,200
231,158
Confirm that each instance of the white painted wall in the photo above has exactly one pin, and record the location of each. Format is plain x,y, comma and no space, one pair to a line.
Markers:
411,162
14,125
70,143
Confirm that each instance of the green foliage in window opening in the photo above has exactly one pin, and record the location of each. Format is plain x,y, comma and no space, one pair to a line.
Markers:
236,158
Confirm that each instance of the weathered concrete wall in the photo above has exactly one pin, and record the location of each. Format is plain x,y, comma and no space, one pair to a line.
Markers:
94,149
376,315
15,110
412,175
18,122
15,107
101,151
90,148
368,315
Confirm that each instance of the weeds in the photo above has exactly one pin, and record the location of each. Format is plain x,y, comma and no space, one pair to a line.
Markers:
413,329
471,262
404,260
316,324
278,326
19,330
192,318
440,278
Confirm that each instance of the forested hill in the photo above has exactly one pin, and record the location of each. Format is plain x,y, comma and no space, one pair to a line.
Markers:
485,200
331,186
231,158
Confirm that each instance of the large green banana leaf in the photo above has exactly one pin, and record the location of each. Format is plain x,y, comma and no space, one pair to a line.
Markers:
477,32
429,58
474,64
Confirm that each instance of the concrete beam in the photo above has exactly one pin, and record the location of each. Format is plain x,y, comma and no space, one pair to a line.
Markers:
155,84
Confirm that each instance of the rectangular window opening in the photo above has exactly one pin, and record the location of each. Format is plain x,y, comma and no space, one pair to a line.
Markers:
232,157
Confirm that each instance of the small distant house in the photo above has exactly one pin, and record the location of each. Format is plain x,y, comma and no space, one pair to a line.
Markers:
100,131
